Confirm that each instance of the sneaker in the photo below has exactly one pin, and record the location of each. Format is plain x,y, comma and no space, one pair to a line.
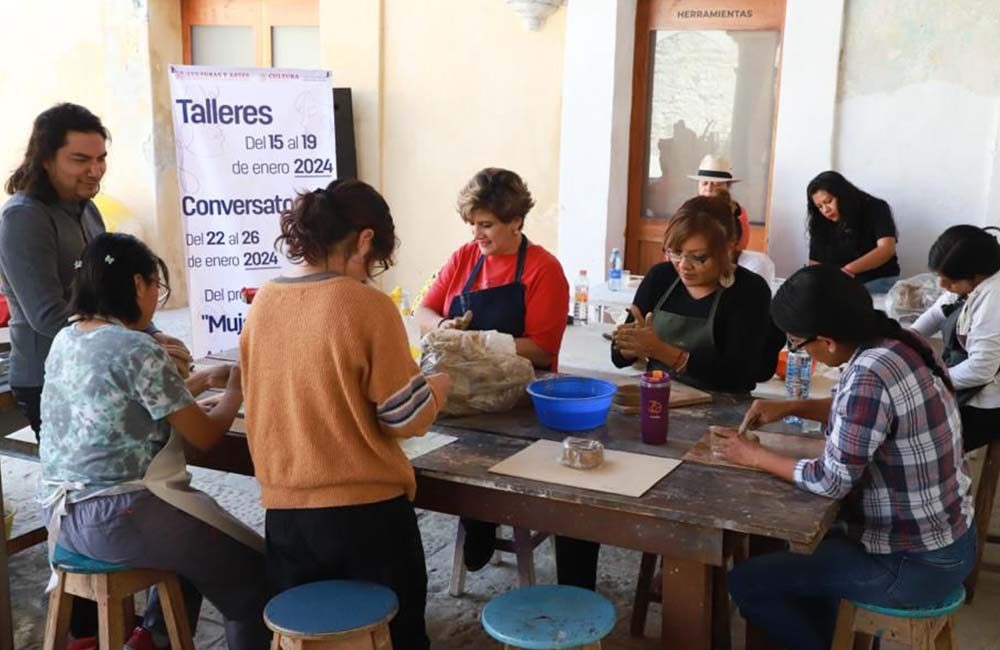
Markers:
141,639
84,643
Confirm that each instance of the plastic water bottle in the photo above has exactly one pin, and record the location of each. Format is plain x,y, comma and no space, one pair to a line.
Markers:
581,298
615,266
798,379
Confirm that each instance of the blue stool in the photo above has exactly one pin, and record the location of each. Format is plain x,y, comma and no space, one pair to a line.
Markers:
919,627
111,586
336,613
549,617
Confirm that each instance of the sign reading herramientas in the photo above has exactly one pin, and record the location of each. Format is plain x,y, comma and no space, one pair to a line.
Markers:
715,13
247,140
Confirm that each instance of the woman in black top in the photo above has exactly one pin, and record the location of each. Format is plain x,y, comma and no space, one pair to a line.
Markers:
701,317
852,229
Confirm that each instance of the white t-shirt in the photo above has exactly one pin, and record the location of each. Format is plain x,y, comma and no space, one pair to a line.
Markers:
979,323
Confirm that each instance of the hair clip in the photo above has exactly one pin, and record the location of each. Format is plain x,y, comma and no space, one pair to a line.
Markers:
78,265
108,259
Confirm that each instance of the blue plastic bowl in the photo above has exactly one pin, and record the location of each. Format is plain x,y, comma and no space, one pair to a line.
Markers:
572,403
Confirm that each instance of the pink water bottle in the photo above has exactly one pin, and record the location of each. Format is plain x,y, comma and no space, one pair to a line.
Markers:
654,389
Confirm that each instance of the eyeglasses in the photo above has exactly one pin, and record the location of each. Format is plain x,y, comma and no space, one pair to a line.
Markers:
162,292
380,267
795,347
679,258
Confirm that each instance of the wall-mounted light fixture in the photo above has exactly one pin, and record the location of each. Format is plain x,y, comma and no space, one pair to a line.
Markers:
534,12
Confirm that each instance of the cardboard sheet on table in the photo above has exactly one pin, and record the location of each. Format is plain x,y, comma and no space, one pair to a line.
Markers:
821,386
24,434
412,447
622,472
684,395
783,443
425,444
680,394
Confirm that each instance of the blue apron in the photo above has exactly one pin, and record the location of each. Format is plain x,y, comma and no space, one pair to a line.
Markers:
497,308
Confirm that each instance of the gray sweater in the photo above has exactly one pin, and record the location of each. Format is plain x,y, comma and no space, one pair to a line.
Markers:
38,245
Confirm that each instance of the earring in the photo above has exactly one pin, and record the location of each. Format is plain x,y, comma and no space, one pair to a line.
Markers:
726,280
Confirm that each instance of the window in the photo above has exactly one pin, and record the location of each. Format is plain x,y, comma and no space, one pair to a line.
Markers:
705,81
252,33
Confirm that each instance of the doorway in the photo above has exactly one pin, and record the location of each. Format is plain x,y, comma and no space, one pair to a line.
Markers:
705,81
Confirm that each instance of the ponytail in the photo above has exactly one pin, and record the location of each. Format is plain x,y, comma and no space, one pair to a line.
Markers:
891,329
326,218
962,252
822,300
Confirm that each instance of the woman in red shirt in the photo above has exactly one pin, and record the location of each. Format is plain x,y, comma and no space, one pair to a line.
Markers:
509,285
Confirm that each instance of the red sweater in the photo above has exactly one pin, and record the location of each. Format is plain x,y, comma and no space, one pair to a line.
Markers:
546,291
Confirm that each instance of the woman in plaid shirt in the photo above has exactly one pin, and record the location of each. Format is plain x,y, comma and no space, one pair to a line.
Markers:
893,454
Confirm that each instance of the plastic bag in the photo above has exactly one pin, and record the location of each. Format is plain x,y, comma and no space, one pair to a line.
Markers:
487,374
909,298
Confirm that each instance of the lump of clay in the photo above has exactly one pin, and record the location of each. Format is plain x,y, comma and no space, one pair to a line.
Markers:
581,453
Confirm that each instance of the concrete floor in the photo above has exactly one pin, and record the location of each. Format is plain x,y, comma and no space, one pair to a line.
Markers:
453,623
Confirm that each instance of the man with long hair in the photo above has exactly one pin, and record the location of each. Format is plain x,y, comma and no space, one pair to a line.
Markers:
44,227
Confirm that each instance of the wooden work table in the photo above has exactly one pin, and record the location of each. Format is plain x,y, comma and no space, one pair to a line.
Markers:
691,518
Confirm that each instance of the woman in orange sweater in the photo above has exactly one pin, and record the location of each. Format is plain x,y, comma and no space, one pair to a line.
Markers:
330,388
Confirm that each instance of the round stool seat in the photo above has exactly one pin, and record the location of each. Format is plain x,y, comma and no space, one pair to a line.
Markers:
330,607
66,560
945,607
548,616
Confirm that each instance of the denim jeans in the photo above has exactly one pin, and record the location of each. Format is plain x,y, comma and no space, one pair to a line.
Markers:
881,285
793,598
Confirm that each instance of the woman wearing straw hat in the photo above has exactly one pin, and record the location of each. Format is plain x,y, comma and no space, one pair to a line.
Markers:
715,176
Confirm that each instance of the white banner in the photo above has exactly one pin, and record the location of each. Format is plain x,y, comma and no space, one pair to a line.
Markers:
247,140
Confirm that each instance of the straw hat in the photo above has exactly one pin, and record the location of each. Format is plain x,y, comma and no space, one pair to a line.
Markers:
714,168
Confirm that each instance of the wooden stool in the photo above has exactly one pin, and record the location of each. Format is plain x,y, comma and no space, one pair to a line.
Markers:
549,617
985,494
925,628
332,614
522,545
111,586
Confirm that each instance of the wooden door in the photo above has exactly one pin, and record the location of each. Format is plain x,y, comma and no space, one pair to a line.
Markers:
705,81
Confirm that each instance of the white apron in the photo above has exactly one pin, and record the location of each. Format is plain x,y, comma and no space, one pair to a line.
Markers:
168,479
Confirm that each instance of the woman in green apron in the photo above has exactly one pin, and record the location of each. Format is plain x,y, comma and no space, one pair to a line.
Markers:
115,482
698,316
967,262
